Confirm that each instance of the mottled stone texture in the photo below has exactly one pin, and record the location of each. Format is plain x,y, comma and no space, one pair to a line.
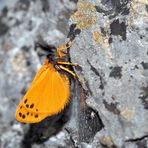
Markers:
114,72
22,24
109,103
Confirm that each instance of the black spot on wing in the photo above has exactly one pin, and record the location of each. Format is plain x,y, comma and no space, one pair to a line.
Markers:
25,101
32,105
23,116
20,114
36,116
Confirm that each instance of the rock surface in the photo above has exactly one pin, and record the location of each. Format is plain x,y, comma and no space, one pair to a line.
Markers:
112,54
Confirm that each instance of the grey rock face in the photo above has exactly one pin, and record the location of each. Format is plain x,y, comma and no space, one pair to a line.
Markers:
112,56
113,70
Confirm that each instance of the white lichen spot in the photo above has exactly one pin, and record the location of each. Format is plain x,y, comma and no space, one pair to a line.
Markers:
138,14
18,63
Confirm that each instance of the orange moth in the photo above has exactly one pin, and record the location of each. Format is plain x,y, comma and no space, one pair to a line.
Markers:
50,90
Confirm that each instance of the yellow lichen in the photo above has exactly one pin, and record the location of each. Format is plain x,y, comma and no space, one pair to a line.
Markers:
100,39
127,113
97,37
85,16
106,140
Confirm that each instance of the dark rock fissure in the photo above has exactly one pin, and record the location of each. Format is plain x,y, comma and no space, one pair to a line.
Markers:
137,139
71,138
98,74
112,107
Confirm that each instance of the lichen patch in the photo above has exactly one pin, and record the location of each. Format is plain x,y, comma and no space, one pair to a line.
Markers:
100,39
127,113
85,16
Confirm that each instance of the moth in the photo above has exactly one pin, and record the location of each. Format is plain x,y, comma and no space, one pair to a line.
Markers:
49,92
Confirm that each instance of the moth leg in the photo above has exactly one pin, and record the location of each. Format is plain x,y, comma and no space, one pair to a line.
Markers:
67,63
67,70
69,44
66,45
61,50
